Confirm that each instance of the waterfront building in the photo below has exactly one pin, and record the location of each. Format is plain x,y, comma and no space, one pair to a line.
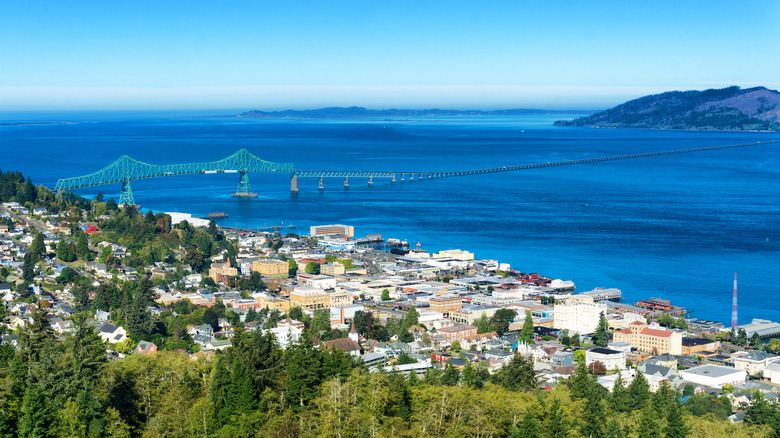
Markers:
601,294
578,315
332,230
454,254
271,268
764,328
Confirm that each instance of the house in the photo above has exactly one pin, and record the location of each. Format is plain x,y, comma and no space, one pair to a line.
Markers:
203,329
112,333
62,326
102,315
145,347
754,362
217,344
346,345
563,359
772,372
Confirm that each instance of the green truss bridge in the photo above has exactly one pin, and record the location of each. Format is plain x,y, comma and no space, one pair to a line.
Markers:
126,169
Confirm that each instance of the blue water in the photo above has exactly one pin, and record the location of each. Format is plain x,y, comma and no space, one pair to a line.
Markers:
675,226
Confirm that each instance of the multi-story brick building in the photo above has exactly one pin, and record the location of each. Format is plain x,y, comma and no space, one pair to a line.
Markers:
444,304
458,332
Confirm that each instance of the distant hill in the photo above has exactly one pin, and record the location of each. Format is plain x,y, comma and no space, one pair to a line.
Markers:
726,109
357,112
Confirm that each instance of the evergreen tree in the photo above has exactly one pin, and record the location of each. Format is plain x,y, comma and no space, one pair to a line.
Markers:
37,248
620,400
582,382
528,327
639,391
517,375
593,414
600,336
675,425
614,429
649,426
411,318
470,377
451,375
556,424
529,427
64,251
28,268
82,246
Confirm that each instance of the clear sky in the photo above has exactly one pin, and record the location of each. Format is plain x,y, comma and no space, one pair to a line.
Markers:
297,54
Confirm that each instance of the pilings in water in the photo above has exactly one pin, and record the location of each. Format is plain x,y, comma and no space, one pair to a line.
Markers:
322,186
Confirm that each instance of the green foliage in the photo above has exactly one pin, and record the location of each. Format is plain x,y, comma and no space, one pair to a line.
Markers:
385,295
312,268
528,327
517,375
500,320
600,336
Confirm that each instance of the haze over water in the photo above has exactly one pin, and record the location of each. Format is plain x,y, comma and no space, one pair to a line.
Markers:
675,227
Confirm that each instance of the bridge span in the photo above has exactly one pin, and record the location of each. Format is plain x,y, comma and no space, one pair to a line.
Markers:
125,169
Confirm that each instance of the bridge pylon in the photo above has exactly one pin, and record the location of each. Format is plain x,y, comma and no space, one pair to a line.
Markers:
126,194
243,190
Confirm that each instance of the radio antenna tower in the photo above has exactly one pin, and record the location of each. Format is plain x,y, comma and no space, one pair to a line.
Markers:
734,305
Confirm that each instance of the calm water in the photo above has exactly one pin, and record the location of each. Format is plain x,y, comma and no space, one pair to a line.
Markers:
676,226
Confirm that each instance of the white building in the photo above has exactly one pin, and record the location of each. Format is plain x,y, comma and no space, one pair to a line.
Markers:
286,335
321,282
612,359
753,362
579,317
713,375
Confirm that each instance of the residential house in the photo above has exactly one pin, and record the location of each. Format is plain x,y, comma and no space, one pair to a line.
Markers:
754,361
145,347
112,334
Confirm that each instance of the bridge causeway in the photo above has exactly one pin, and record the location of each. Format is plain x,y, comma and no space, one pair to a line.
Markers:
125,169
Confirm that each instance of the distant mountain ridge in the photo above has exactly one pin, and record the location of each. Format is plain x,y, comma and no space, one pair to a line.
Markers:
726,109
357,112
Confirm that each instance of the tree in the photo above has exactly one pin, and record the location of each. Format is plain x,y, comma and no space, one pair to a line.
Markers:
528,327
385,294
556,424
597,368
742,338
594,421
639,390
675,425
411,318
649,427
28,268
756,342
600,336
451,375
292,268
82,247
517,375
619,397
37,248
483,324
64,251
500,320
312,268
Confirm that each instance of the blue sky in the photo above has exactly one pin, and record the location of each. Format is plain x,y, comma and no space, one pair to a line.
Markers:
295,54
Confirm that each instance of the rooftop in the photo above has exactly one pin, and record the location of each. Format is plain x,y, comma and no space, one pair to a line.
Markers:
713,371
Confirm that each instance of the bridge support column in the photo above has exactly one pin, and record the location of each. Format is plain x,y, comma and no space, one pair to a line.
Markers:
294,183
371,180
243,190
346,182
419,176
392,180
322,186
126,194
402,177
